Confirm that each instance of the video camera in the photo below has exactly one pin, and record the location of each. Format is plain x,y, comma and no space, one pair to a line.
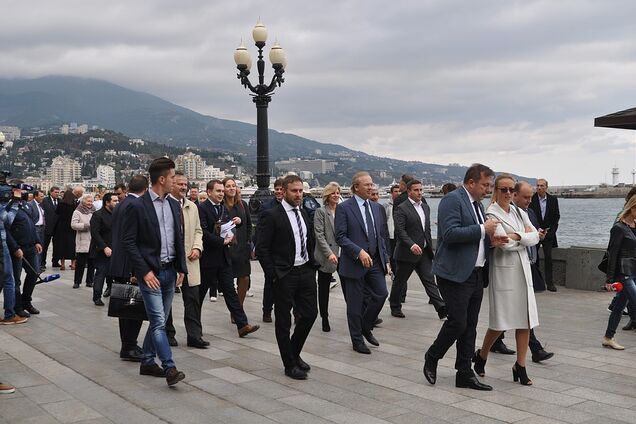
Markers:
6,189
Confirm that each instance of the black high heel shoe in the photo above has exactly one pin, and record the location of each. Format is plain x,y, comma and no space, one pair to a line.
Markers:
480,363
519,374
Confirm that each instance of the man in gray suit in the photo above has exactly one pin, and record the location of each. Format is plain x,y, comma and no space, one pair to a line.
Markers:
464,238
414,250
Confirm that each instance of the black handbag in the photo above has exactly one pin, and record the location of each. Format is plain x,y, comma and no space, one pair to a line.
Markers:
602,266
126,302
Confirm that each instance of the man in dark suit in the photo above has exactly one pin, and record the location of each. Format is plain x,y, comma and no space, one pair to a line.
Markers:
285,250
414,250
101,245
546,208
154,242
463,240
120,267
403,194
39,219
216,263
364,260
49,204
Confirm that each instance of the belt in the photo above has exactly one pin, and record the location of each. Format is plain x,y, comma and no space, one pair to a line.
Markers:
39,226
301,266
166,265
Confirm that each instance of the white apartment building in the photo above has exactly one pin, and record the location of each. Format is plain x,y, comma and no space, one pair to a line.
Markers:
63,171
10,133
106,176
212,173
191,165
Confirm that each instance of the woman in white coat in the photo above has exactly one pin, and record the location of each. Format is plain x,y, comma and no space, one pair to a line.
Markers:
511,293
81,223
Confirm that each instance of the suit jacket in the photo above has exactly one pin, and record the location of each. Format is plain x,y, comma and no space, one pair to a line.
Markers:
215,253
551,219
351,236
458,237
409,231
101,233
50,217
119,261
325,239
142,237
276,246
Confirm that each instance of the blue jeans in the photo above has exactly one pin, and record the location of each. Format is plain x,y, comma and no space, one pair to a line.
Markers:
158,303
8,284
628,293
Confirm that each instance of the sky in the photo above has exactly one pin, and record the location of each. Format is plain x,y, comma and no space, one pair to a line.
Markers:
512,84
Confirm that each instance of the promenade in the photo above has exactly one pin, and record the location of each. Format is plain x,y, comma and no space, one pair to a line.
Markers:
65,365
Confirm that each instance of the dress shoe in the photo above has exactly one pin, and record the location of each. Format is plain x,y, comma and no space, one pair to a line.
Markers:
56,265
469,381
89,284
325,325
267,317
430,368
173,342
442,313
369,337
552,288
500,347
131,355
76,286
541,355
99,302
177,289
244,331
519,374
106,292
398,314
480,363
152,369
296,373
302,364
378,322
630,326
199,344
31,309
612,343
173,376
362,348
22,313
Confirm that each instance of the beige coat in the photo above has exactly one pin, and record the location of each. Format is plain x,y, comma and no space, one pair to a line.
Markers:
81,223
193,239
511,293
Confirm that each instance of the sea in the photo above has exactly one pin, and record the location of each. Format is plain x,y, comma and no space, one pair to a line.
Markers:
584,222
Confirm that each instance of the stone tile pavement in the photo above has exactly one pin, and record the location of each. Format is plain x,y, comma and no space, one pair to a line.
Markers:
65,365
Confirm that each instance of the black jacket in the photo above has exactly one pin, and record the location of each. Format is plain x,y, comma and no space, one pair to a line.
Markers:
50,217
215,253
119,262
621,251
22,233
551,219
409,231
101,232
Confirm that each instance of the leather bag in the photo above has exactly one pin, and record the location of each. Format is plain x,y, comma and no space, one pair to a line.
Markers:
126,302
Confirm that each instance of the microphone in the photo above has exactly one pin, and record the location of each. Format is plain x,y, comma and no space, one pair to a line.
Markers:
48,278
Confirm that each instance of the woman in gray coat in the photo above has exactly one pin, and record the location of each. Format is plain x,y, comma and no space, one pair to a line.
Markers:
327,250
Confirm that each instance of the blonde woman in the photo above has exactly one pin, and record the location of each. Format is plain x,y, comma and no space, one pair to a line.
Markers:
511,293
81,223
327,251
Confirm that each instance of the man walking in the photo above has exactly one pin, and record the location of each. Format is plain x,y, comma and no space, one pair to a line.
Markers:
154,242
101,245
546,208
49,204
285,250
39,218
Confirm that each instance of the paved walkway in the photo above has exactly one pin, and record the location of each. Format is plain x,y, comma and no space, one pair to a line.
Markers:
65,365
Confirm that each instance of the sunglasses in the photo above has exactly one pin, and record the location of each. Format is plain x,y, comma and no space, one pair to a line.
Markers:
506,189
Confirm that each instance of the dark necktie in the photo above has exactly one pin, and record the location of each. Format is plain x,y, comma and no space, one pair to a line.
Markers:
373,244
303,249
218,210
476,205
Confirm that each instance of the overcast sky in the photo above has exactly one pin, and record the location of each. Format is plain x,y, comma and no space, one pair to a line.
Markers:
512,84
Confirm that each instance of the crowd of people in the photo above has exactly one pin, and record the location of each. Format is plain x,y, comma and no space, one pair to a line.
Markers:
165,236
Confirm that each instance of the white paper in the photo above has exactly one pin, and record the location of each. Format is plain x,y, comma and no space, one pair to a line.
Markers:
226,229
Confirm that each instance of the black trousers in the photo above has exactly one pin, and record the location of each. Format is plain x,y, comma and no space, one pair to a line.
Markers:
129,332
324,282
547,262
223,278
423,269
45,247
191,312
534,343
84,261
296,290
102,263
463,302
268,296
24,299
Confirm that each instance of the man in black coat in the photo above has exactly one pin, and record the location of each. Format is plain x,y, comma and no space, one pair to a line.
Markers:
285,249
49,204
546,208
101,245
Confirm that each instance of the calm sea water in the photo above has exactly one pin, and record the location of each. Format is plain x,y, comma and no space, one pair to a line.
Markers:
583,221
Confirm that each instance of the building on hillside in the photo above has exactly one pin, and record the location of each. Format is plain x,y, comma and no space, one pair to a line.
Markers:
315,166
10,133
106,176
43,184
212,173
191,165
63,171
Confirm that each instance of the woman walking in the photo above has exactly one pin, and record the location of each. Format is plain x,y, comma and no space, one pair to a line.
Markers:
241,251
81,223
64,236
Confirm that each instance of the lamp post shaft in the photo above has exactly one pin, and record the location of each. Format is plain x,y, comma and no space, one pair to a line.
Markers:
262,142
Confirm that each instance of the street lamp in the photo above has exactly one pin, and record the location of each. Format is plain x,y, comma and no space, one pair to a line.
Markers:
261,97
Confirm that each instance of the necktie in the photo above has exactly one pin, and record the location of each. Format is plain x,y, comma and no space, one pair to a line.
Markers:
217,209
303,248
476,205
373,243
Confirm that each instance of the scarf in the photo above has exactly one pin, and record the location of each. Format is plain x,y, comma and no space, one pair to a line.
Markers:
84,210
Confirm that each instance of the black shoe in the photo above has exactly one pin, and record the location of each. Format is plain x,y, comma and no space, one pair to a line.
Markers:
22,313
480,364
296,373
369,336
378,322
31,309
267,317
469,381
76,286
519,374
89,284
177,289
106,292
173,376
630,325
325,325
153,370
362,348
99,302
552,288
173,342
430,368
398,314
199,344
56,265
442,313
541,355
131,355
302,364
500,347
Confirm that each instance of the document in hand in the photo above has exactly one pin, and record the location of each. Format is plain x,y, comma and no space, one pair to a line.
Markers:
226,229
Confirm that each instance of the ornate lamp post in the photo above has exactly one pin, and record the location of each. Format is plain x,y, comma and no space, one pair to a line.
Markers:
261,97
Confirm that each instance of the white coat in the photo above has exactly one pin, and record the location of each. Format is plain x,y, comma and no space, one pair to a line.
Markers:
511,293
81,223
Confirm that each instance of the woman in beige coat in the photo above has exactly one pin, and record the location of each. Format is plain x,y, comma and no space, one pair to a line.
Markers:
327,251
81,223
511,293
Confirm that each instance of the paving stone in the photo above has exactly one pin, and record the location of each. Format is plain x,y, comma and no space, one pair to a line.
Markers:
70,411
492,410
232,375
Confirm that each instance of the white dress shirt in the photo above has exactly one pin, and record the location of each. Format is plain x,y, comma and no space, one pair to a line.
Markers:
41,218
361,201
543,204
481,256
291,215
420,211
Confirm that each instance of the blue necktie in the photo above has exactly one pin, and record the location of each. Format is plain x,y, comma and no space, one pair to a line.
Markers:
373,243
